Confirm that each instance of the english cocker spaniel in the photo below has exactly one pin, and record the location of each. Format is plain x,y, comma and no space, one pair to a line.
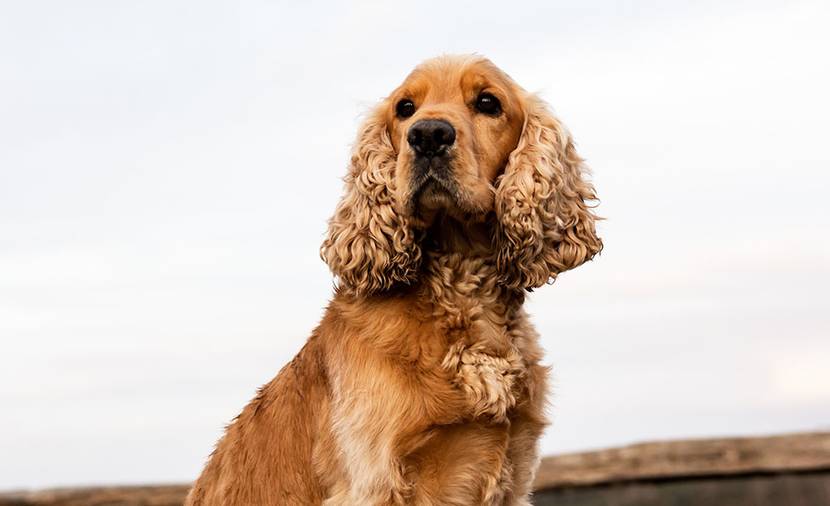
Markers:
423,384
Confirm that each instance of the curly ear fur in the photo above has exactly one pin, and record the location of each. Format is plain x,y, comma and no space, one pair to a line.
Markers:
369,245
546,225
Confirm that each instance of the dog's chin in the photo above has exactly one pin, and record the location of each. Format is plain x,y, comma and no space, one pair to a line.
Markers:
434,197
431,198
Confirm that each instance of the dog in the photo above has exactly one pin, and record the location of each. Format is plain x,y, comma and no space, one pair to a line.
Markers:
423,383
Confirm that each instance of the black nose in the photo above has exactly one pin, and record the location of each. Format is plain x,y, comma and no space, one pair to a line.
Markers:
428,137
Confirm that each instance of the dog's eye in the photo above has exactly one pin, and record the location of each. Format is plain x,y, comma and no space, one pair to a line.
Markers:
488,104
405,108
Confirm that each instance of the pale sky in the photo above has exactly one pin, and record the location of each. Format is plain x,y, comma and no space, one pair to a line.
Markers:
167,169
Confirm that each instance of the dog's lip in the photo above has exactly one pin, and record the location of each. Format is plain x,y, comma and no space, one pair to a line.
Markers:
436,170
431,181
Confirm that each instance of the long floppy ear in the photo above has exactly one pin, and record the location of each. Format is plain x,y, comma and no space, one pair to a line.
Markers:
369,245
543,204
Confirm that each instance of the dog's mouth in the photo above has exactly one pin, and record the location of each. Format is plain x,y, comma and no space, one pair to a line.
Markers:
433,188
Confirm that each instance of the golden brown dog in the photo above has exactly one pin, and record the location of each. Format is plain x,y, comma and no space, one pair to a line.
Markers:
423,384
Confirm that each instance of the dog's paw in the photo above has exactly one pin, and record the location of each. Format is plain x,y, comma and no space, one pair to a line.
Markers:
488,381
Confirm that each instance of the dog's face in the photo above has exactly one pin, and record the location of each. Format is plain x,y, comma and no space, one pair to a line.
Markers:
453,124
459,137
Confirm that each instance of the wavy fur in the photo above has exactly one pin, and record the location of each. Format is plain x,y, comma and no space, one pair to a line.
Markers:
369,245
543,205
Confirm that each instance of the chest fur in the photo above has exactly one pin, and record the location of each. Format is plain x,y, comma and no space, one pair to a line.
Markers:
478,321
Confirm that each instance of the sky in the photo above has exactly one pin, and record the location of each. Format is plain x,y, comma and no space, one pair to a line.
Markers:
167,170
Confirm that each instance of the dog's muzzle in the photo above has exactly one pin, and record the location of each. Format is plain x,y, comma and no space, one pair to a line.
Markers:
431,141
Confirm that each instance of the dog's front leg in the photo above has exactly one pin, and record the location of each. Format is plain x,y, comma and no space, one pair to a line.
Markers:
528,422
370,408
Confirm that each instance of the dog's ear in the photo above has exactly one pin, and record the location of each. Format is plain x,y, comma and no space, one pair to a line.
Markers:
369,246
543,204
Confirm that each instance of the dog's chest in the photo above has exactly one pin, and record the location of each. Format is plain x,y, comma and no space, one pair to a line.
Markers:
477,320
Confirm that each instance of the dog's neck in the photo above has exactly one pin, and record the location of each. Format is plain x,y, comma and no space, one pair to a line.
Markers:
448,235
459,278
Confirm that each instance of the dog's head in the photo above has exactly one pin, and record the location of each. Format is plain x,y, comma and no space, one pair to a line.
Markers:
460,140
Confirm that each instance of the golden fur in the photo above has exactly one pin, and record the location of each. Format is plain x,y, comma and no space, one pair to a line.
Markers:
423,384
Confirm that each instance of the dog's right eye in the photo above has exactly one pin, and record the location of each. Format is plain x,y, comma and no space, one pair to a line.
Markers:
405,108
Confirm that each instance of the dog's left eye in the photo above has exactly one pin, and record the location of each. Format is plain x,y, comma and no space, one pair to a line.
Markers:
488,104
